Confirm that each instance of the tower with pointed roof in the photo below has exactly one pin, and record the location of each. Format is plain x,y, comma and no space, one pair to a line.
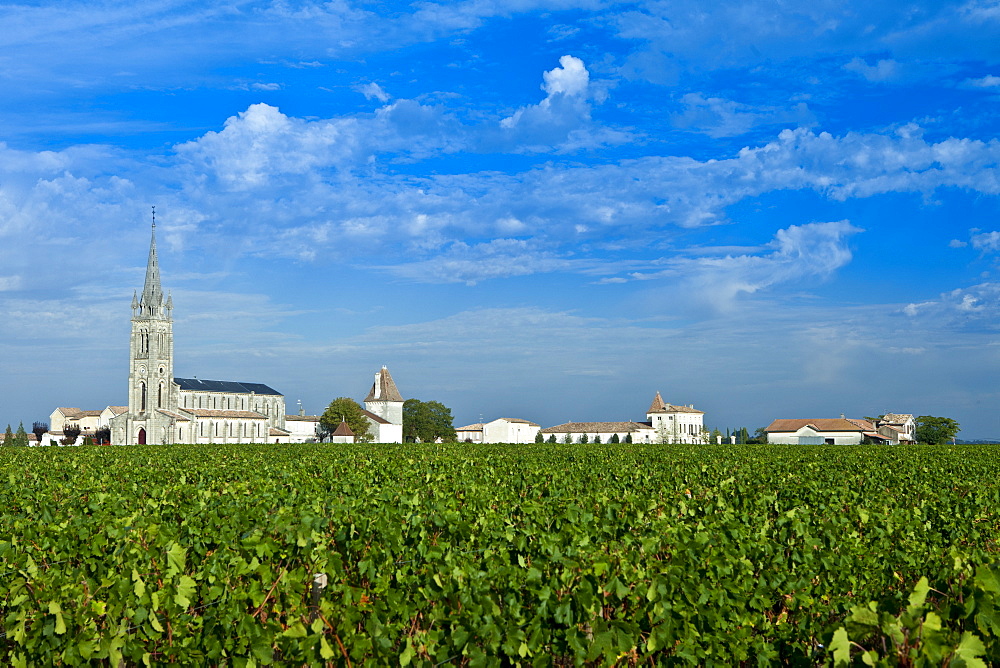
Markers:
152,393
384,406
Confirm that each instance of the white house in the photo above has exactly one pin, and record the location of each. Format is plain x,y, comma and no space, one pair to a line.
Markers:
501,430
665,423
301,428
470,433
627,432
819,431
902,426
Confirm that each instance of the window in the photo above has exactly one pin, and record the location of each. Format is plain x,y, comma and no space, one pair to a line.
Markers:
142,396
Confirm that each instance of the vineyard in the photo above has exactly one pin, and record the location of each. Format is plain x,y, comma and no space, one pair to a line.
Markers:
499,555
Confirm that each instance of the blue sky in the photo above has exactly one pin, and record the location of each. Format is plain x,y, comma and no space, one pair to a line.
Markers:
547,210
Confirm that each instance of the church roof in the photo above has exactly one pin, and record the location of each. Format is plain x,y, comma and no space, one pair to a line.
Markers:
384,388
215,412
171,414
231,386
658,404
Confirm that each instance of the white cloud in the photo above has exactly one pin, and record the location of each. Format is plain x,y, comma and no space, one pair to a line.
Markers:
797,253
717,117
883,70
10,283
469,264
561,120
988,81
372,91
986,241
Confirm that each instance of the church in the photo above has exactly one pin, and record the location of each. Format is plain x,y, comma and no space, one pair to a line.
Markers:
163,409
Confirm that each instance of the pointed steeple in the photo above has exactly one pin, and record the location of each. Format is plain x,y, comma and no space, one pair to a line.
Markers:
152,293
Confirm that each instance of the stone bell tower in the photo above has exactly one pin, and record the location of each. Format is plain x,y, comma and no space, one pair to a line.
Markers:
152,393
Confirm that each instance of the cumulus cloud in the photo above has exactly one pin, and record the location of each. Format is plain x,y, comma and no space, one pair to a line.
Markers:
797,253
562,119
974,308
882,70
372,91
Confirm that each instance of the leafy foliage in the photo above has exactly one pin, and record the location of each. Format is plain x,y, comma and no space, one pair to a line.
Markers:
935,430
427,421
499,555
39,429
347,409
8,436
70,433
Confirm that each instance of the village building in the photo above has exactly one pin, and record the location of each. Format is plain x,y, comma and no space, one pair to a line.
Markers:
501,430
890,429
665,423
818,431
165,409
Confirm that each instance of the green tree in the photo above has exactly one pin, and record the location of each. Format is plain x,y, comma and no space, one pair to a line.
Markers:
935,430
39,429
628,437
347,409
584,439
716,437
427,421
597,439
70,433
552,438
8,437
615,439
539,437
21,437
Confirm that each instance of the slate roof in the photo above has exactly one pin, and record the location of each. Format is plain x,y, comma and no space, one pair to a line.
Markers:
301,418
819,424
595,427
215,412
231,386
176,416
386,388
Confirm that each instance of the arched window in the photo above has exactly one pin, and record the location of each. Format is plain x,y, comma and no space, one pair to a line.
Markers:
159,397
142,397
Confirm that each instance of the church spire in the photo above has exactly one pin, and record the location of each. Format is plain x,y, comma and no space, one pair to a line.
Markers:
152,294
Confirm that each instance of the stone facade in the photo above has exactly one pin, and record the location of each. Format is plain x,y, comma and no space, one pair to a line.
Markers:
163,409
